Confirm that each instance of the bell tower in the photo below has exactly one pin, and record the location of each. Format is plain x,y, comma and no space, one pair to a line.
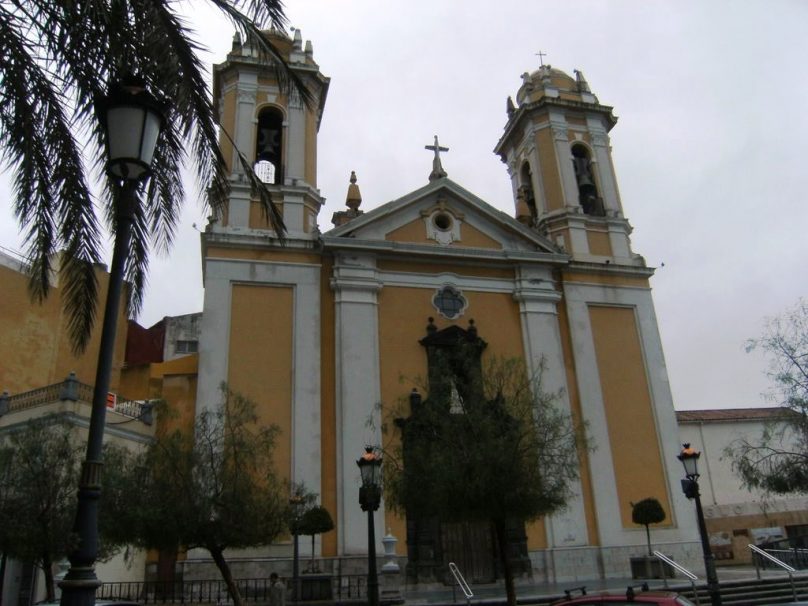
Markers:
275,132
556,148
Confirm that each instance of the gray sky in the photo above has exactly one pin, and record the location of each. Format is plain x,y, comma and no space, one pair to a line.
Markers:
710,147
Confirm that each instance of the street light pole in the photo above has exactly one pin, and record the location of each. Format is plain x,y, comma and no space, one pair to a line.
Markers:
133,120
296,501
690,486
370,495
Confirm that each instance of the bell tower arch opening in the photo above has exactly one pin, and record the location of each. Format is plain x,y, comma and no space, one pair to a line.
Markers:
556,148
526,189
588,197
269,146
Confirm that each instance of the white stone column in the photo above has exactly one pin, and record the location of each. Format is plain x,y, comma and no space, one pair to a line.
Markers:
356,284
569,184
542,343
295,143
246,91
603,166
220,275
238,207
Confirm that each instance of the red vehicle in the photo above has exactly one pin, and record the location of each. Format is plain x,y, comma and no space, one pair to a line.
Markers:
630,597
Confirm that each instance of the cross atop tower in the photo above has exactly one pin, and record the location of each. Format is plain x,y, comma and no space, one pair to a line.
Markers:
437,168
541,56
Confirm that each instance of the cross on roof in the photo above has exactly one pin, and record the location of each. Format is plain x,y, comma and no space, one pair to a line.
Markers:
437,168
541,56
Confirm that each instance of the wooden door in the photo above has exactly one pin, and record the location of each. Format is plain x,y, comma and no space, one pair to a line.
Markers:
470,545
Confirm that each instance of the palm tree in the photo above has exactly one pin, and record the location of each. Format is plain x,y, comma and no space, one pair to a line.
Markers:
58,58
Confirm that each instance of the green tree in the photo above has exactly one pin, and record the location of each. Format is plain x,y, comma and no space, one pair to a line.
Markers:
58,58
503,452
777,461
39,470
213,486
646,512
315,520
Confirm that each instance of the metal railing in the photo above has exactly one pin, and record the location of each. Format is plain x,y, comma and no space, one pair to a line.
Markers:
789,569
69,389
345,589
461,582
691,577
792,550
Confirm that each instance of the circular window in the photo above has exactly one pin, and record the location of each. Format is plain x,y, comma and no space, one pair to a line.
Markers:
442,221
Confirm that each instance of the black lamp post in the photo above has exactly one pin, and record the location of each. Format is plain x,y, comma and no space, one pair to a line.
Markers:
133,119
296,502
690,486
370,496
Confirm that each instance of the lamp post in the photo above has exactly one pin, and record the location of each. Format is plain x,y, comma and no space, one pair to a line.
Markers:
133,119
296,502
370,496
690,486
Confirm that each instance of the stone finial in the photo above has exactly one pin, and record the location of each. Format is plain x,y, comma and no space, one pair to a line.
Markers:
545,72
391,561
298,40
583,85
510,107
309,49
354,197
70,388
352,201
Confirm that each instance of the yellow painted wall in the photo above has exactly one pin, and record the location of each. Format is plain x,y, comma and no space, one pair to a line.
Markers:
136,383
258,217
575,405
403,314
260,358
34,341
173,381
550,175
415,231
628,408
599,243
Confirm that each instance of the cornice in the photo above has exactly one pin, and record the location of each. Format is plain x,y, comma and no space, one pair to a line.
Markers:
548,102
409,250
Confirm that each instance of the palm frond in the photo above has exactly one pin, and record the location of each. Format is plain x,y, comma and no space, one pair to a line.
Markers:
56,61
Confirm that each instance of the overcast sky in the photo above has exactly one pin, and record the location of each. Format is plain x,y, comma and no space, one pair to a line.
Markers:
710,146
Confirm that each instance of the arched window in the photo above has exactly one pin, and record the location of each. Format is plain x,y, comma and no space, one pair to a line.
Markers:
587,190
269,146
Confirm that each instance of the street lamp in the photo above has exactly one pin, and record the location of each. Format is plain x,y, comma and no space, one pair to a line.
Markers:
370,496
690,486
132,118
296,502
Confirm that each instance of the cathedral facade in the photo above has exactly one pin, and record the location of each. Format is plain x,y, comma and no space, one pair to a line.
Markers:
324,331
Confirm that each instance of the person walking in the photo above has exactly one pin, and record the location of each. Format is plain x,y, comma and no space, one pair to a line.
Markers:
277,591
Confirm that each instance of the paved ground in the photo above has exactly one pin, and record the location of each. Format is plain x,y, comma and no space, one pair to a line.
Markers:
527,591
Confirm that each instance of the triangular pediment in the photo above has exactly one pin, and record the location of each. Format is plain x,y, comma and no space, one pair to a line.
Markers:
445,217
